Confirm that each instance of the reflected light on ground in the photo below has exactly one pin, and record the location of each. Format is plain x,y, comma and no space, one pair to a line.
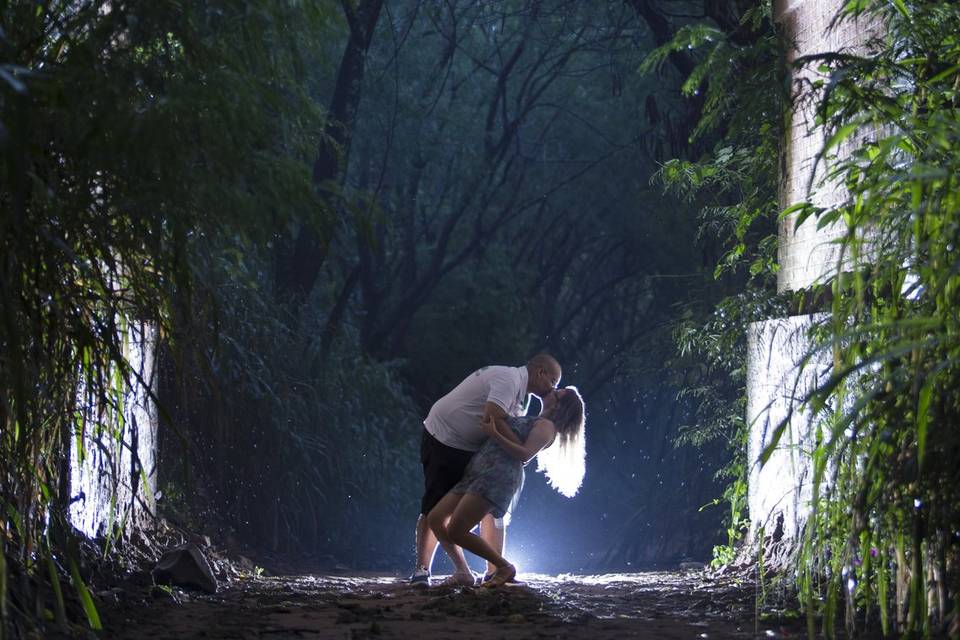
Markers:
601,579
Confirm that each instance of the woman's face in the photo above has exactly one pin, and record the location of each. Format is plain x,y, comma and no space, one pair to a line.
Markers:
551,398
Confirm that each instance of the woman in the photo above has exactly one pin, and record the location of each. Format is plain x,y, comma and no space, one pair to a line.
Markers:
494,477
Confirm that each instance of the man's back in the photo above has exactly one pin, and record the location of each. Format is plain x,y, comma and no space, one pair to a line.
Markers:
454,419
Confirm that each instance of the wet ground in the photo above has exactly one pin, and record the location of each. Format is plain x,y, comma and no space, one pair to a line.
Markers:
644,605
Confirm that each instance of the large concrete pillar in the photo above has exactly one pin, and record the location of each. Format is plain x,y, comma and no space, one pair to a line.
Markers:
778,374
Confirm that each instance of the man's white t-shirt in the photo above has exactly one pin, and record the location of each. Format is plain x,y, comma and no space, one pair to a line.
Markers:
454,419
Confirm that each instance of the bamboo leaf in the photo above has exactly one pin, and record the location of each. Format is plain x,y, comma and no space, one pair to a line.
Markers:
840,135
58,606
3,581
943,75
816,399
89,608
111,517
882,586
794,208
923,418
901,7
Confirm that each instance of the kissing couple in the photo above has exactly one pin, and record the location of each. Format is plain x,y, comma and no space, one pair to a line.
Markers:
476,441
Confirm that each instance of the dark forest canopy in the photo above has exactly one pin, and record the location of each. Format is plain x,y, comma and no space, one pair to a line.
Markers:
488,192
335,211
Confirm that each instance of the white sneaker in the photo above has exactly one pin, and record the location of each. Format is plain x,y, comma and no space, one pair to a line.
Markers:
420,576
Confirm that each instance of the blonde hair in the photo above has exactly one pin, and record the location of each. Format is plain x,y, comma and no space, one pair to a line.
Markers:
564,462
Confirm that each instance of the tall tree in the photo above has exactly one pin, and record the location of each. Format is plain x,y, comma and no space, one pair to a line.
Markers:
303,256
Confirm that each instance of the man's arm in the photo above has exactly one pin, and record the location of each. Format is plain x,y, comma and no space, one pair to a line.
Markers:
540,436
495,412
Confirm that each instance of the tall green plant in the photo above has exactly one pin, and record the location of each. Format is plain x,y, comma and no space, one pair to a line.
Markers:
880,540
332,433
885,505
125,129
735,185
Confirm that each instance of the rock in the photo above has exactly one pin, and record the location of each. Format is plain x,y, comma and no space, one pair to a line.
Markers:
185,566
346,617
245,563
692,566
110,595
200,540
222,574
582,617
158,592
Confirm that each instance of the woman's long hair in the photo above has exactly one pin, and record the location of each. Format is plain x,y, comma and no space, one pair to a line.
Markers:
564,461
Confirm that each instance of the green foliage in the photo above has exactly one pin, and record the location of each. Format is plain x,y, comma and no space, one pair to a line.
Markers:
692,36
723,554
86,600
736,183
712,359
880,539
333,435
735,496
124,130
735,188
885,509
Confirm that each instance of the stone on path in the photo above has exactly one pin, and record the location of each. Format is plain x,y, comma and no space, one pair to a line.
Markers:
185,566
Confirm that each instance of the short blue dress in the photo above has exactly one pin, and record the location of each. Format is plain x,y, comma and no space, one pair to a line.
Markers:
495,474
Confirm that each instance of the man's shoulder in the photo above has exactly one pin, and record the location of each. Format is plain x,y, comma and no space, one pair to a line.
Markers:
498,371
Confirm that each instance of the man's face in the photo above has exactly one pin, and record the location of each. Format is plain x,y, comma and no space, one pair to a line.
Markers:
545,380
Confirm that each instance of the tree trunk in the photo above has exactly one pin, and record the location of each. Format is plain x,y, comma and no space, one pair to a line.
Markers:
297,269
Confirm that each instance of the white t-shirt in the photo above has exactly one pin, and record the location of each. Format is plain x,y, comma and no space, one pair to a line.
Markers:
454,419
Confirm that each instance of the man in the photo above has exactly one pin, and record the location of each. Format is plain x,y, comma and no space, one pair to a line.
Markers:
452,435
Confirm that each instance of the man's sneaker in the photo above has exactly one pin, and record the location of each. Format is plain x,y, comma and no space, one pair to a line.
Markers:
420,576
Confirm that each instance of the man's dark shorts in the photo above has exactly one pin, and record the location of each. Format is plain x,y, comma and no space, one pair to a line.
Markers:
443,467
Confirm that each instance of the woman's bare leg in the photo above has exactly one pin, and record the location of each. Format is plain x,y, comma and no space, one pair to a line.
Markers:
437,519
466,514
493,537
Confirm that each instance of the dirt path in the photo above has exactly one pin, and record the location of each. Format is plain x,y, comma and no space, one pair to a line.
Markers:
651,605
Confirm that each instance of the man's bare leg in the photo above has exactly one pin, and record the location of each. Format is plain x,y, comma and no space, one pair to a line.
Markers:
426,544
493,537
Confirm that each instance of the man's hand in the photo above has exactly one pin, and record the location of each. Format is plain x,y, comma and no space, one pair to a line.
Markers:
488,425
498,416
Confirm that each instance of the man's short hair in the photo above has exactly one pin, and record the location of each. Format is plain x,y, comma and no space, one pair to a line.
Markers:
544,360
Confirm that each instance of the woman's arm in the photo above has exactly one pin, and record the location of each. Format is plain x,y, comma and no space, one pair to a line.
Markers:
540,436
496,412
504,429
